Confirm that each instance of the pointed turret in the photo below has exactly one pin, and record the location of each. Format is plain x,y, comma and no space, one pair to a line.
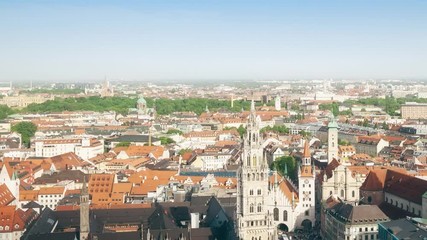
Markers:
14,176
307,153
306,159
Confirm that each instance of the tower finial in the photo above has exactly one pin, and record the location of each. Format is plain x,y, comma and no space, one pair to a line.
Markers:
307,149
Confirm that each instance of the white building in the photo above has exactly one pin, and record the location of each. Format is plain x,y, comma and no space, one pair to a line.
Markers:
84,147
265,204
50,196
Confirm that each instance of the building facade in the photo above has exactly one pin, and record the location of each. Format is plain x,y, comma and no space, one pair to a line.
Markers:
413,110
268,203
332,140
253,218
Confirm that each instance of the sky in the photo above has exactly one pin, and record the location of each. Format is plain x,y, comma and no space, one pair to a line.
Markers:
153,40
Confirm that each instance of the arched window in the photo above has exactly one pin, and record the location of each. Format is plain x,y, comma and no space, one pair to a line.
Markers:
353,193
251,208
342,193
259,191
262,176
276,214
251,192
285,215
259,208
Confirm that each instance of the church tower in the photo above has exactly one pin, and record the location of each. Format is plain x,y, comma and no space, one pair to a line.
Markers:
332,140
253,218
277,103
306,181
84,213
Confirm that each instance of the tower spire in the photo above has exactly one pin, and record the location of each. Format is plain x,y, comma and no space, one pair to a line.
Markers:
307,154
253,106
84,212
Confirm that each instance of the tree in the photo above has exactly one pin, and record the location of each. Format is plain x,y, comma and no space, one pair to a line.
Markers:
5,111
279,129
123,144
343,142
305,133
27,131
286,166
174,131
166,140
333,107
385,126
241,130
184,150
365,122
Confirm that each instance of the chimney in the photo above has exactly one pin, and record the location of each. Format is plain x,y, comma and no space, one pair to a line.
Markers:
195,220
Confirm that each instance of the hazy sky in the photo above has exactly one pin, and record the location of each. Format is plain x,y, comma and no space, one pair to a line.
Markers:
212,39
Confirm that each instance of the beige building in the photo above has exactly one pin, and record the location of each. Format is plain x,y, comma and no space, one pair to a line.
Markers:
22,101
341,182
370,145
348,222
413,110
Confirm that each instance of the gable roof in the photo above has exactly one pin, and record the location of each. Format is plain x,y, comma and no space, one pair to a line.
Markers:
67,161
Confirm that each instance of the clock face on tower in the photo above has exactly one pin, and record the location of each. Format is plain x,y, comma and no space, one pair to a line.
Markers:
306,181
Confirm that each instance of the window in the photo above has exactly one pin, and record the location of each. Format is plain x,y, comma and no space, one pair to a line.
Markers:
285,215
369,199
353,193
251,208
259,208
276,214
307,213
251,192
342,193
259,191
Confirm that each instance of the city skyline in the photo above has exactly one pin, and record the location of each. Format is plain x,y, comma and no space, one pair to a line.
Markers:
191,40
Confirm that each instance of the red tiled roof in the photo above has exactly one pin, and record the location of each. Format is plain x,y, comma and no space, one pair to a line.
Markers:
6,197
15,220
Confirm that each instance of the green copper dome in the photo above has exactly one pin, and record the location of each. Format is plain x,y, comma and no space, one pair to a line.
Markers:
141,100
